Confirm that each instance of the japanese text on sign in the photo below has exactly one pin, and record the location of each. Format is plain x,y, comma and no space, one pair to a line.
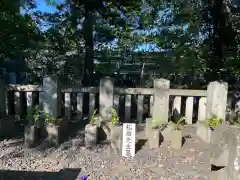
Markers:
128,146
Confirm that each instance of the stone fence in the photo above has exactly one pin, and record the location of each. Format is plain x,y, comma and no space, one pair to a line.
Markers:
57,100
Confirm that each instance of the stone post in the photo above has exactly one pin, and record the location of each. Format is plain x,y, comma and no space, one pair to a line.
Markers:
106,99
215,105
216,100
160,111
50,97
233,167
161,100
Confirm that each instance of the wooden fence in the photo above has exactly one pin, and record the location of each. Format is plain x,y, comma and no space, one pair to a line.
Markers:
58,100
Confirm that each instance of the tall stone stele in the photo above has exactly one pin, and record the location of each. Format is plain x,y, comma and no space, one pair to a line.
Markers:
160,112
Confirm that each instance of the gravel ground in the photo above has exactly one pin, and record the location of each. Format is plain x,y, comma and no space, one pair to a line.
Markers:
189,163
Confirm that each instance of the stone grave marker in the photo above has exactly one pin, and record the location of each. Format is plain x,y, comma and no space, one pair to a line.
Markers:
129,140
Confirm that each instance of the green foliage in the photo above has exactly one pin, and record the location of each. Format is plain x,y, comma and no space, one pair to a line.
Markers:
50,119
95,117
214,121
158,124
180,123
20,32
66,45
33,115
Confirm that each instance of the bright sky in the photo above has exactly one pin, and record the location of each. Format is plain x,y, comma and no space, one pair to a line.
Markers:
44,7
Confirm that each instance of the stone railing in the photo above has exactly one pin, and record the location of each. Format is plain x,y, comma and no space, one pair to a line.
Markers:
53,97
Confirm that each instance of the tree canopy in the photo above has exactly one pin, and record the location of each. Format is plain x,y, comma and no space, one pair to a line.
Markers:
199,39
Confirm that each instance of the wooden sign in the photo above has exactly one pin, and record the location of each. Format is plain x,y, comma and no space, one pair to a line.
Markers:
128,142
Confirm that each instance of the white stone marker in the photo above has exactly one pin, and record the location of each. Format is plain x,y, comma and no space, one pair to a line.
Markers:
128,142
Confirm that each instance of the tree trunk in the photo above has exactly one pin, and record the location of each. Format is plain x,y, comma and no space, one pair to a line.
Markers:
88,37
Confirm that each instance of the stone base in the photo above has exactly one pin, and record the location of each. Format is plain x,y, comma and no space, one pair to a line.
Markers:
90,135
222,159
148,126
116,137
204,132
219,175
176,139
57,133
31,135
154,138
167,132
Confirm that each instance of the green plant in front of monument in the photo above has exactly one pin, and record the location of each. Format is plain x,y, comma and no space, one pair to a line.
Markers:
158,124
51,119
95,117
179,124
31,129
33,115
214,121
176,133
108,127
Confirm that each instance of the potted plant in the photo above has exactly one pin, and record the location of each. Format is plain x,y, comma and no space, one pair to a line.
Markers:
154,136
176,134
31,130
205,128
56,129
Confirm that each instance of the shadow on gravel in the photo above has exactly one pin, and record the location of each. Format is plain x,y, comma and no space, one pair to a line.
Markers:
74,138
18,132
140,143
75,128
34,175
216,168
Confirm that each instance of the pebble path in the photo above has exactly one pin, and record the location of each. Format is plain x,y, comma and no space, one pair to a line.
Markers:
189,163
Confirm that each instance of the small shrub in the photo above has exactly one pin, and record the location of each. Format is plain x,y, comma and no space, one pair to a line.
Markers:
33,115
158,124
213,122
95,116
50,119
180,123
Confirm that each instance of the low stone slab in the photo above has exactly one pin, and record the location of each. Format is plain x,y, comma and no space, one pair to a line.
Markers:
204,132
57,132
90,135
148,126
220,145
116,137
154,138
219,175
167,132
176,139
31,135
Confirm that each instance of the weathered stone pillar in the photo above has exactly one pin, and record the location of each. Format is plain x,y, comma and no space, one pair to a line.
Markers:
216,100
161,100
106,98
50,97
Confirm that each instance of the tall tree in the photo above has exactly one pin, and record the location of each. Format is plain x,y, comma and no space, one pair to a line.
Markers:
221,38
19,32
